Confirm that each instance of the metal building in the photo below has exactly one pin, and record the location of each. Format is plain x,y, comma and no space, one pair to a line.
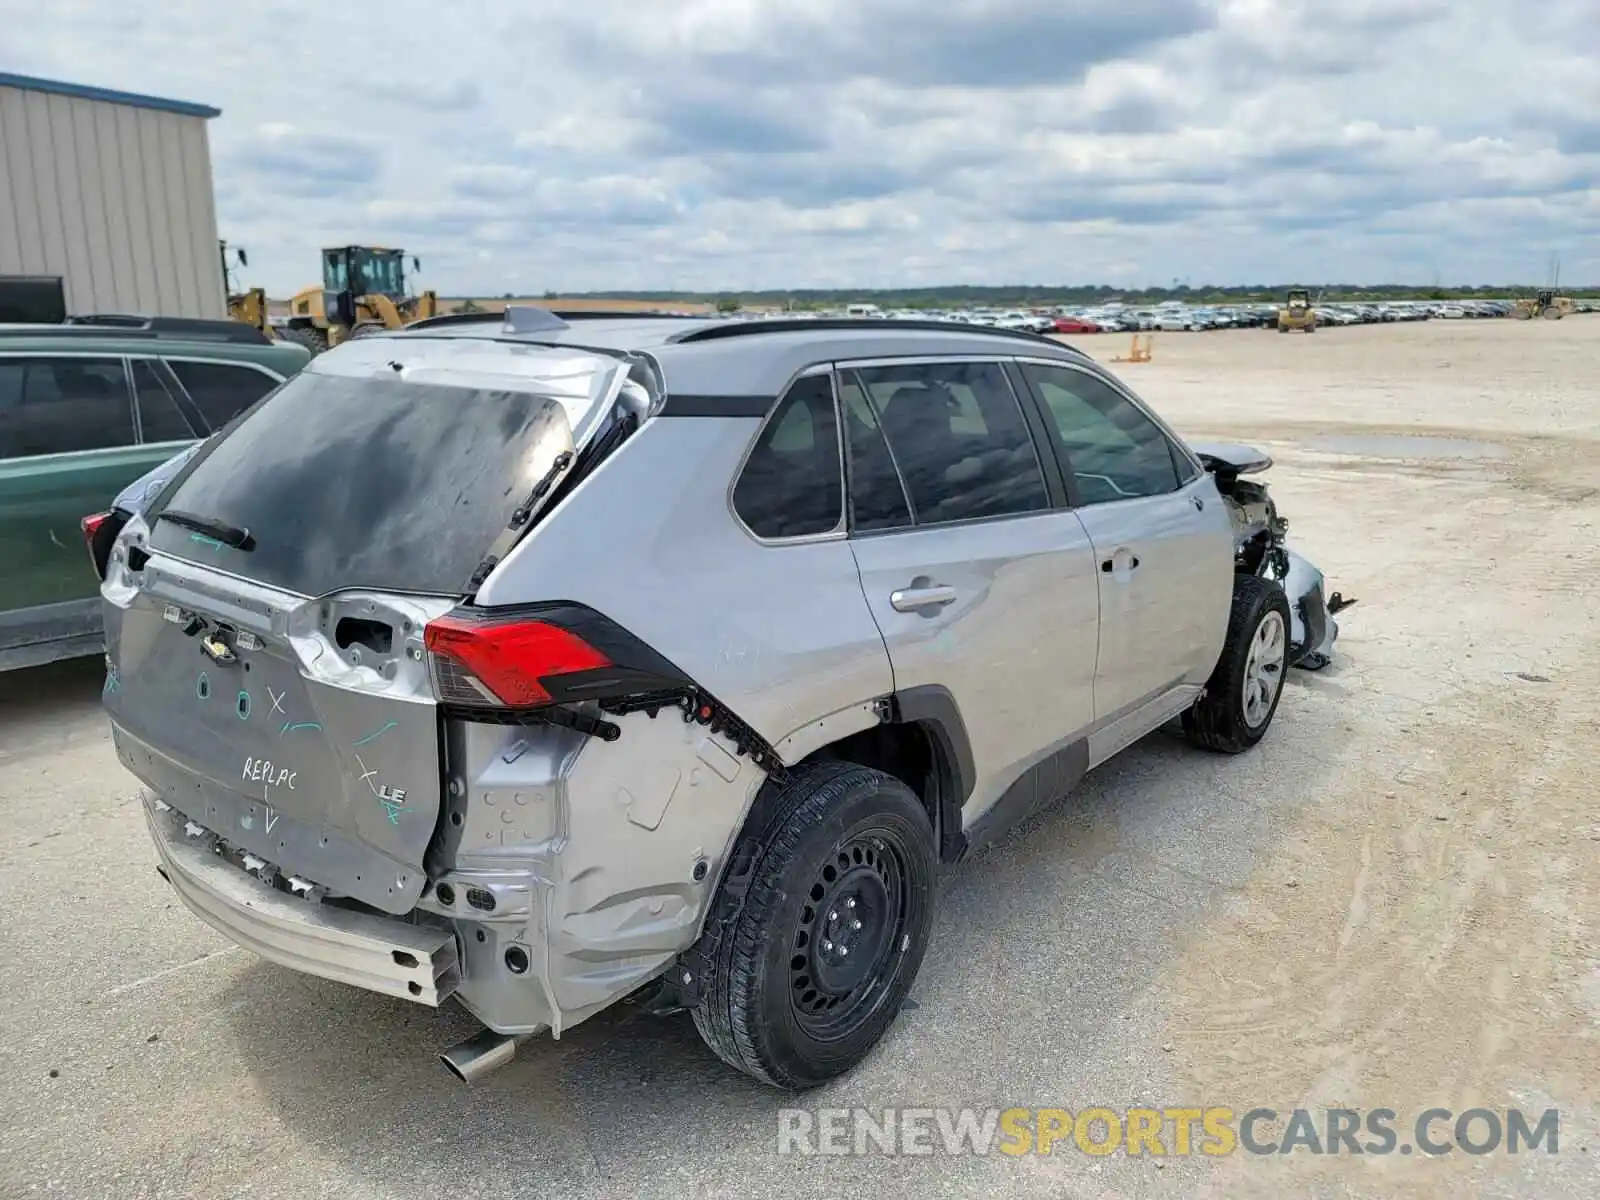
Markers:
112,193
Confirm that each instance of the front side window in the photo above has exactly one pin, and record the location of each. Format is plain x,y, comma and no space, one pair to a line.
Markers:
1116,452
790,485
959,439
62,405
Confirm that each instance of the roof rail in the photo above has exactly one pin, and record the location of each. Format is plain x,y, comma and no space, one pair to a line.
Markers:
200,328
566,314
455,318
749,328
622,314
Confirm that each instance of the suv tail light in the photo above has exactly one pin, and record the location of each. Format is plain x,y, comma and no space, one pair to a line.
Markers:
91,526
503,662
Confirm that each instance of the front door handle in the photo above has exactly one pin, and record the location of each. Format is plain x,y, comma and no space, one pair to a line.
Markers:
912,599
1122,560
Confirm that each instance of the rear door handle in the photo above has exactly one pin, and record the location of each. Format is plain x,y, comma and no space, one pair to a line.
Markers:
911,599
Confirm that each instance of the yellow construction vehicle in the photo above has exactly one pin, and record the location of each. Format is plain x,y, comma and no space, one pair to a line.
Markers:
1297,312
250,305
363,289
1546,304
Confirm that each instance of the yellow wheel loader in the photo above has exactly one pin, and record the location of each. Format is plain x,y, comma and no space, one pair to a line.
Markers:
1297,312
1546,304
363,289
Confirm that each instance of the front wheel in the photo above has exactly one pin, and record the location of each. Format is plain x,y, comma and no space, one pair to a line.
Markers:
1242,694
816,937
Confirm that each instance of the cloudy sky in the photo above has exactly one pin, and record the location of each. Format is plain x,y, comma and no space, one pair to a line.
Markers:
533,145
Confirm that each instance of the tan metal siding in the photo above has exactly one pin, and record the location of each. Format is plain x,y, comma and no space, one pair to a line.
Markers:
116,200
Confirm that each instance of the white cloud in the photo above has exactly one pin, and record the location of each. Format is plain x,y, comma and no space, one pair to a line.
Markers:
745,143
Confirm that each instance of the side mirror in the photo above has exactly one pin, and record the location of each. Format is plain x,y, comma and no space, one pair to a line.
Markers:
244,259
416,263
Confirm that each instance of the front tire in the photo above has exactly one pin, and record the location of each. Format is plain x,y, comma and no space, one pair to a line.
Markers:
1242,694
843,865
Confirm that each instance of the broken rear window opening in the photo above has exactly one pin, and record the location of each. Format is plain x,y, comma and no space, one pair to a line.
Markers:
368,482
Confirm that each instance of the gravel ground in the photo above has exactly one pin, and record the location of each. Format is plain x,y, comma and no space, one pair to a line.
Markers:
1393,902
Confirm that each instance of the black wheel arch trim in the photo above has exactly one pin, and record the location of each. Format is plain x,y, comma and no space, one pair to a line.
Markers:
934,709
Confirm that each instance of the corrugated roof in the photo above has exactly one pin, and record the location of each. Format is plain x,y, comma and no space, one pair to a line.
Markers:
55,87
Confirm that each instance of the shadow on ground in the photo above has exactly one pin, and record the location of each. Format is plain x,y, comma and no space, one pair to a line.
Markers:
67,684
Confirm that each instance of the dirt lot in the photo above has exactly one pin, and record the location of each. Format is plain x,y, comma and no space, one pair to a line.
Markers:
1394,902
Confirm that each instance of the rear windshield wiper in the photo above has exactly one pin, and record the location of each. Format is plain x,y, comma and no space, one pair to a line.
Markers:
217,531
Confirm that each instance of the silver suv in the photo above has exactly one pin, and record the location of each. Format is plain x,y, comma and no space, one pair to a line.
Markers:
543,662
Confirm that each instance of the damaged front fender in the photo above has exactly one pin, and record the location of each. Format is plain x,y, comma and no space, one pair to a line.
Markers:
1260,549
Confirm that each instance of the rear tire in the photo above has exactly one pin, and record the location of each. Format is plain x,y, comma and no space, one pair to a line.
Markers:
1242,694
309,336
844,862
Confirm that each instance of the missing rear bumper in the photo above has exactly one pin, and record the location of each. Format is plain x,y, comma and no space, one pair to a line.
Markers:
420,963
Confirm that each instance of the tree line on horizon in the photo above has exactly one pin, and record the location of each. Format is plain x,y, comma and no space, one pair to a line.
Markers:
1033,296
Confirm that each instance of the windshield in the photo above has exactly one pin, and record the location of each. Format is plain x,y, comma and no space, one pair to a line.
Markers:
380,272
361,481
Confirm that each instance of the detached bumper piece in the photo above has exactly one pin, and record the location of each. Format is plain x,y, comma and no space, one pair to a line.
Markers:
420,963
1313,630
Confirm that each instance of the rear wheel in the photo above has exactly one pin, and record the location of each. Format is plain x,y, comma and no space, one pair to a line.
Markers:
814,945
1242,694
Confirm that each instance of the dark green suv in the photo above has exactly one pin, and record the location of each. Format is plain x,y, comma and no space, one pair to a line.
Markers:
86,408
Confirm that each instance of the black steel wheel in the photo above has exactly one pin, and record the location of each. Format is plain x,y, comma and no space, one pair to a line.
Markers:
848,935
818,926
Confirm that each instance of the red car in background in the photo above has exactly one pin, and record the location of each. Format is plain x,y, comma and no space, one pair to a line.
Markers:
1075,325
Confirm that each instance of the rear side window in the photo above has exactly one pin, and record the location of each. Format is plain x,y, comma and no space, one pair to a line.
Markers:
791,485
160,419
368,481
959,439
62,405
221,391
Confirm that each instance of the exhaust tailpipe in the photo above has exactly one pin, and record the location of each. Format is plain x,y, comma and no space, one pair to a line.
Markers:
481,1054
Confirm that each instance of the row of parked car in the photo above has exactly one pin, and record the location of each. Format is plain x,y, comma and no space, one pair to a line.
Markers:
1174,316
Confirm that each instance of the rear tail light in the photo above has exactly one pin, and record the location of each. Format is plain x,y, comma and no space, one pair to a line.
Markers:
503,663
91,525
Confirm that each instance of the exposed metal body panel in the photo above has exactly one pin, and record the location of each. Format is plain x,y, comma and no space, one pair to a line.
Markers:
113,194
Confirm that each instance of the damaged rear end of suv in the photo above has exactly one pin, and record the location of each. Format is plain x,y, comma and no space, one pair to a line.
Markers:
298,674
